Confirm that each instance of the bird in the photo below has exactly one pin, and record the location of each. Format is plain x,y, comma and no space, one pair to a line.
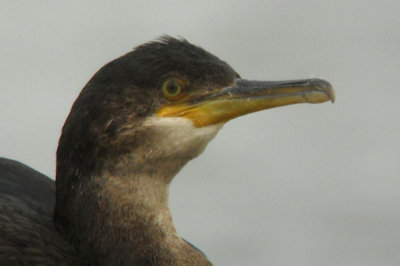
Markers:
133,127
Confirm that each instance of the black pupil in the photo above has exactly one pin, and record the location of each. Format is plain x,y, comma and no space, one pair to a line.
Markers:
172,88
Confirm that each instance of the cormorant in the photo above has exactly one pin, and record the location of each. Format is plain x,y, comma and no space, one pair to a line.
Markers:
135,124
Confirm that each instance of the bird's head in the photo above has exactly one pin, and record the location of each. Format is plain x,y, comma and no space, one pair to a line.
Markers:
163,102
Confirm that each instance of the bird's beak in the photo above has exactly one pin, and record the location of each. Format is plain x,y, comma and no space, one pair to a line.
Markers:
246,97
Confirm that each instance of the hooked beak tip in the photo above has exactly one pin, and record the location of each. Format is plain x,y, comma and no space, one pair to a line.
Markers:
324,86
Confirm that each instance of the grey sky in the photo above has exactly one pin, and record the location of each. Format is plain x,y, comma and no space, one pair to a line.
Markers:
298,185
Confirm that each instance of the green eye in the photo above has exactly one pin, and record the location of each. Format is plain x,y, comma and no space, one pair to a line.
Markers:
171,88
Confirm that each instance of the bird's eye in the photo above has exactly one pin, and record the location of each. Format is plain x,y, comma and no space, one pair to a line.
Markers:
171,88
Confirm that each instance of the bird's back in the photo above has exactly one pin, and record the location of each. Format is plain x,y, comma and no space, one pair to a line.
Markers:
27,233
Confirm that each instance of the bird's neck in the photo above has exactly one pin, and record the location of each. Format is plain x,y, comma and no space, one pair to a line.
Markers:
124,219
112,195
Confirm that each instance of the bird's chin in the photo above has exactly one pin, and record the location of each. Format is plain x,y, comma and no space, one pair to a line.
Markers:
180,135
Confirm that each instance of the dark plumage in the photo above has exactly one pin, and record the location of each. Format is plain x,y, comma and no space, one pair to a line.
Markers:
121,145
27,233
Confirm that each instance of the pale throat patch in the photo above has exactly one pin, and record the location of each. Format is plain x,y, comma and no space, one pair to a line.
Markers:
180,134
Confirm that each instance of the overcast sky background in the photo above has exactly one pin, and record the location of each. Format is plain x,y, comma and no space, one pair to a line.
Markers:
298,185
